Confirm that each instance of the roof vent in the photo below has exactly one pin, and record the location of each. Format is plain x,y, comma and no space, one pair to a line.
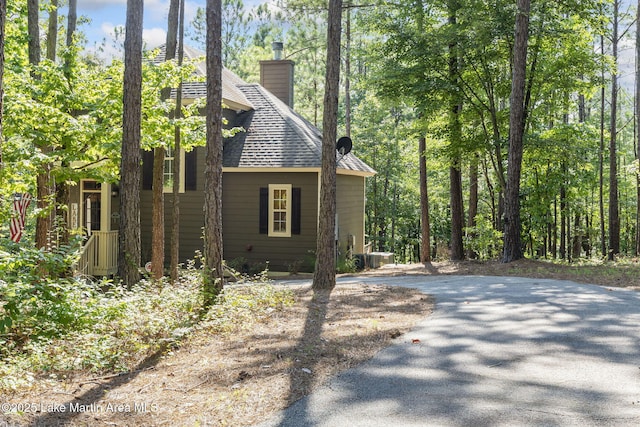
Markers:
277,47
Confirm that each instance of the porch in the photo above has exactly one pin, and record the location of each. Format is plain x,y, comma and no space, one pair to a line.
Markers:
93,212
99,255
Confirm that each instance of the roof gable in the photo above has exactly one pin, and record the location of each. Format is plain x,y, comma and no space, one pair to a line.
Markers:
277,136
231,96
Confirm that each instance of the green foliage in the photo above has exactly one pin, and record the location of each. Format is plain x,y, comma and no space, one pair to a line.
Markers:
62,326
346,265
34,304
483,239
238,307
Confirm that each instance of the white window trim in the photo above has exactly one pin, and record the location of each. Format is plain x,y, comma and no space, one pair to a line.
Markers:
287,188
169,188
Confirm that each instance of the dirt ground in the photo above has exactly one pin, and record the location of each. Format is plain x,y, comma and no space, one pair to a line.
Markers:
241,379
234,380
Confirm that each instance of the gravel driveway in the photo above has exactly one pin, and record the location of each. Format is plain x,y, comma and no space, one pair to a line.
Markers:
497,351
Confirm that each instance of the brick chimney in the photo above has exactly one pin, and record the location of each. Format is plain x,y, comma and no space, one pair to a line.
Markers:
276,75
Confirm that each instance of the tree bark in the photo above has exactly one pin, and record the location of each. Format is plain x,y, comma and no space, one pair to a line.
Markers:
455,135
603,236
44,190
33,7
347,73
175,214
512,239
637,142
425,226
614,217
457,212
129,255
157,214
324,276
159,153
473,200
3,20
72,20
213,274
52,30
62,188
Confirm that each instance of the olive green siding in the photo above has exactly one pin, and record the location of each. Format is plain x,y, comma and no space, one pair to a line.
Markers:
350,204
191,222
241,209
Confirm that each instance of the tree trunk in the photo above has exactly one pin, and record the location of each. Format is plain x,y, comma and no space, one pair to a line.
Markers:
157,215
52,30
563,215
213,274
425,246
512,240
62,188
3,20
457,212
33,29
637,142
72,20
175,214
614,218
603,236
455,135
347,73
44,190
129,255
324,276
473,200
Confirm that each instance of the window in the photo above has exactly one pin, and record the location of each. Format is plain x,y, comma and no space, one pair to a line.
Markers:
279,210
167,179
188,171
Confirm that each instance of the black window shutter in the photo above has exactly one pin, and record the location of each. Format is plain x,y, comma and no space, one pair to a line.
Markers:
147,169
190,171
296,210
264,210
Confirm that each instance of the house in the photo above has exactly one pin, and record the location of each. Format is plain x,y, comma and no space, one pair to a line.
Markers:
271,181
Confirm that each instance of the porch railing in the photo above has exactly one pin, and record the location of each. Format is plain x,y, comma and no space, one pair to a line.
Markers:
99,255
84,265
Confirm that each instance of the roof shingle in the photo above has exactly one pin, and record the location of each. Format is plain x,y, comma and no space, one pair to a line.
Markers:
276,136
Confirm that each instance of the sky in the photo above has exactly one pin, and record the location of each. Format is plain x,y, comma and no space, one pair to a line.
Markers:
106,15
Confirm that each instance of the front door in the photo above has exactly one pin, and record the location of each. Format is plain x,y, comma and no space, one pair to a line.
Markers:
91,206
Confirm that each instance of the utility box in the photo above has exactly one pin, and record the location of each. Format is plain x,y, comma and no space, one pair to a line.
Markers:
378,259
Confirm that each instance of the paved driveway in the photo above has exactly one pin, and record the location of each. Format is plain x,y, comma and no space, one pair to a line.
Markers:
497,351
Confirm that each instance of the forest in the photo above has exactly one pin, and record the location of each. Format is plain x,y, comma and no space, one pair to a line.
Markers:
420,82
497,129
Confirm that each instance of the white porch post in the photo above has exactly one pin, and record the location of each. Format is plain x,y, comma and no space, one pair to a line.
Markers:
105,208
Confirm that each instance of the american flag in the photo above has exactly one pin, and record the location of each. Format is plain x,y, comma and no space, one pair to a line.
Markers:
20,204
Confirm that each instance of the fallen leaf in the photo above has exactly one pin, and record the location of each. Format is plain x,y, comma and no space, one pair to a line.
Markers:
415,341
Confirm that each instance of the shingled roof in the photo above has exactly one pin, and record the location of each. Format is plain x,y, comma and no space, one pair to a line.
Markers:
232,97
278,137
275,136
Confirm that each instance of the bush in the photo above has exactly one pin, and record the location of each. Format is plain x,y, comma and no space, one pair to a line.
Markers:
58,327
36,296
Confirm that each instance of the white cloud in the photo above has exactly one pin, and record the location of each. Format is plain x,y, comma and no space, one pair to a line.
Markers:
154,37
